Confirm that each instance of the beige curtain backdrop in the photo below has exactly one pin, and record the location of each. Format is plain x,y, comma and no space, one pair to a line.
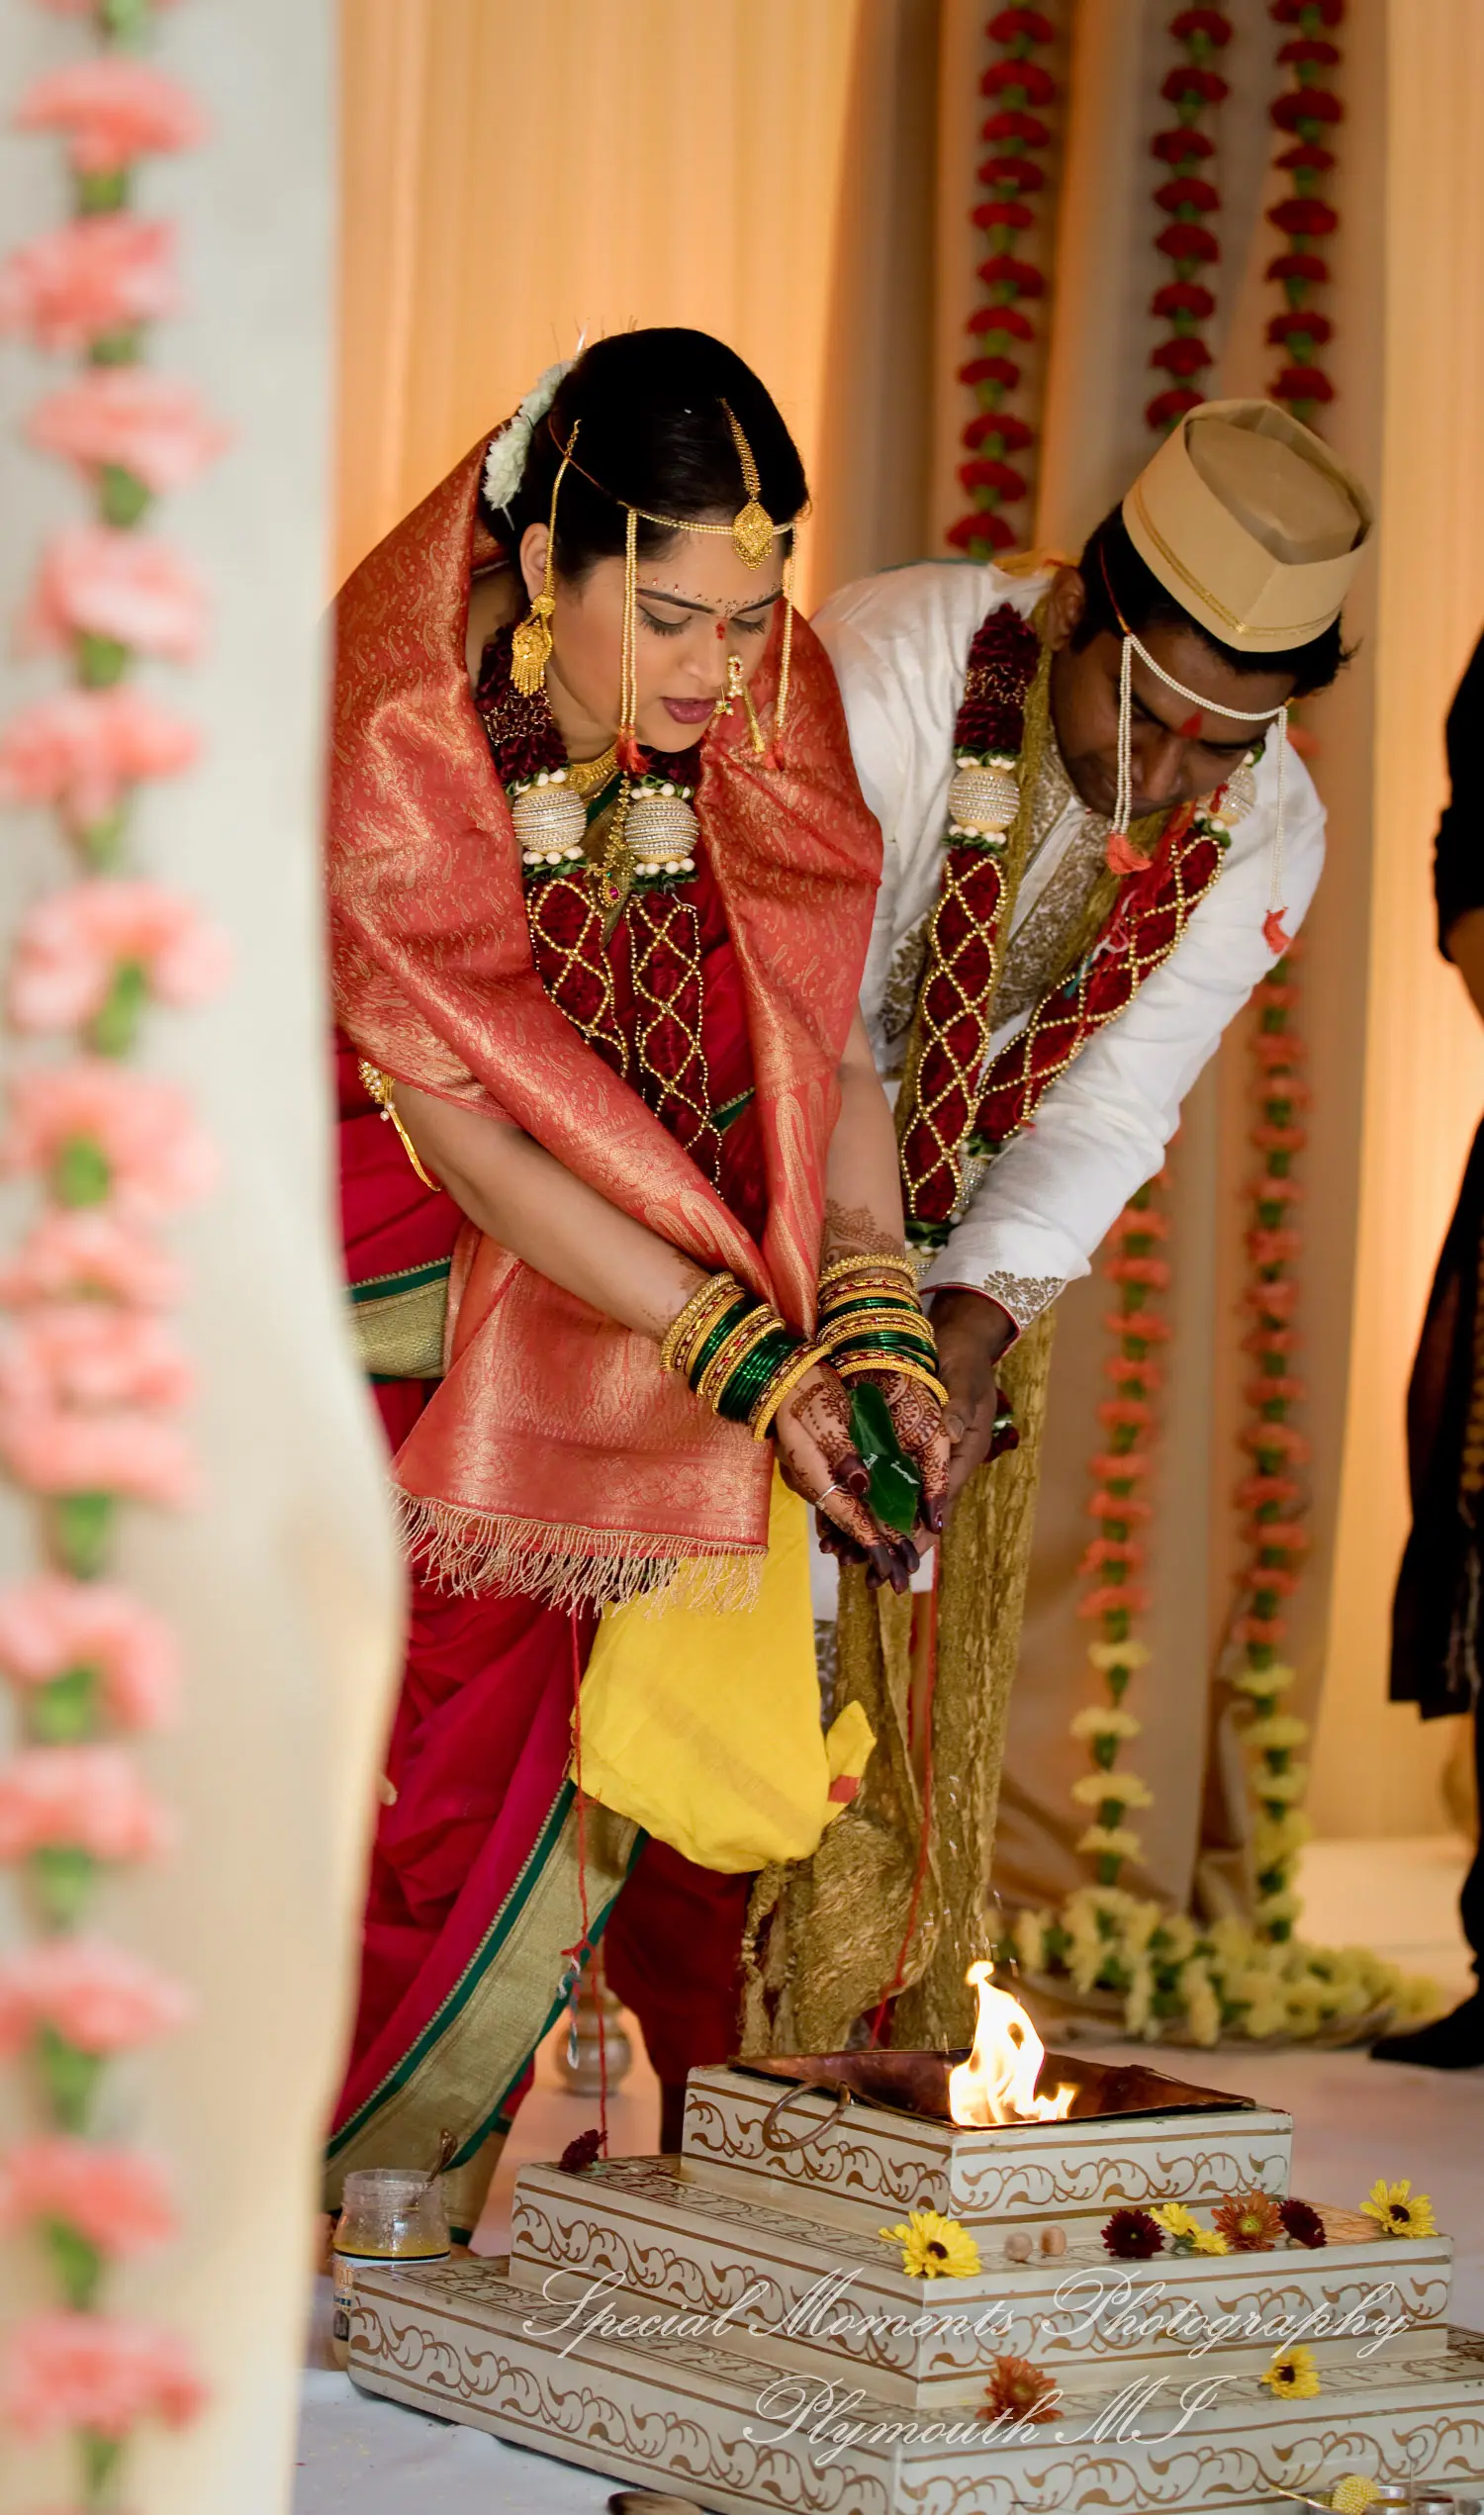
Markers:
517,176
285,1587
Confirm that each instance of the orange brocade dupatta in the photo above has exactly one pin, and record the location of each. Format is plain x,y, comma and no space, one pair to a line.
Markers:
555,1457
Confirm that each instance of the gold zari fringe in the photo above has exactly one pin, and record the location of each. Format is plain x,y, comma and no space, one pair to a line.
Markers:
571,1566
825,1936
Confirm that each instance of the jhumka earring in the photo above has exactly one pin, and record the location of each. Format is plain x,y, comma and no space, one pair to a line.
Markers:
530,646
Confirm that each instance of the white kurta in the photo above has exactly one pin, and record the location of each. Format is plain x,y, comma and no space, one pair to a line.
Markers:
899,644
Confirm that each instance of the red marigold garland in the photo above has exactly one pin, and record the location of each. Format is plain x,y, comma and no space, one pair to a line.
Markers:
1188,198
1116,1555
1307,111
1020,89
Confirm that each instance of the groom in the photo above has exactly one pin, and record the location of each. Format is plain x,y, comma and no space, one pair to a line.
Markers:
1227,561
1096,843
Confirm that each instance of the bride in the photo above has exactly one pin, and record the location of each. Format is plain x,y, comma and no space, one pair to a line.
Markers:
619,1185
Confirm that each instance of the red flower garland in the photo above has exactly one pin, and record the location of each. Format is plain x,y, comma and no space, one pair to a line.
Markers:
1307,111
1188,198
1271,1495
1019,89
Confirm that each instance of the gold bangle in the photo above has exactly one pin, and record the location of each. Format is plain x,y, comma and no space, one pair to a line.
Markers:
733,1351
901,1317
718,1291
887,1362
379,1087
840,1268
799,1366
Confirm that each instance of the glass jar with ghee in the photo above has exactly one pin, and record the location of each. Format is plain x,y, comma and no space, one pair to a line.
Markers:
389,2214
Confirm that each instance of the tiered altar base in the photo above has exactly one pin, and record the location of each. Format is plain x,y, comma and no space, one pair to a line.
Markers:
729,2325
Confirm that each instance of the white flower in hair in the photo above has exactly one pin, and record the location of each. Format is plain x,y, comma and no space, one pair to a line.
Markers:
506,460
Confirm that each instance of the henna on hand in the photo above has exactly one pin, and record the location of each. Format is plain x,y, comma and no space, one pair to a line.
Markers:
852,1231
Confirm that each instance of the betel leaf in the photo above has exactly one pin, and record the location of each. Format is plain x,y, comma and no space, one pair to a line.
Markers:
895,1494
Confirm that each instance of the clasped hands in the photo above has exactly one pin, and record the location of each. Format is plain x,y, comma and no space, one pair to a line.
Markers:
819,1461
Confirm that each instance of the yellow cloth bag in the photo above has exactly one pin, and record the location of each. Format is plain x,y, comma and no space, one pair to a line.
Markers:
705,1726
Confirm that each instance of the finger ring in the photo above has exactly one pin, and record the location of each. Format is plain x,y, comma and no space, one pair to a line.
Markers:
820,1499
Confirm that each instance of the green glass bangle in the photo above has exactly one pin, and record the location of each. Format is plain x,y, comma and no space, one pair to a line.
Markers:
861,1348
729,1320
750,1379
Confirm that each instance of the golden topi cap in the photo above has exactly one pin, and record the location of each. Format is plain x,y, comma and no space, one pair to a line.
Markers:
1252,523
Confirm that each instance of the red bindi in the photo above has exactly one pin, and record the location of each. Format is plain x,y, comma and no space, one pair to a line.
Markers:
721,629
1191,728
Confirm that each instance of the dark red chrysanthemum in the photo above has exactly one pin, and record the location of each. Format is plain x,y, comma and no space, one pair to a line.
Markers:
1208,85
1007,319
1037,85
1304,2224
1306,105
1174,146
1308,266
1307,156
1188,192
1001,371
1301,324
992,531
1023,172
1182,297
1183,356
580,2153
985,472
1294,12
1171,404
1132,2235
1303,48
1303,218
1002,270
1185,243
1210,23
1006,214
1012,124
1013,24
1302,384
1013,434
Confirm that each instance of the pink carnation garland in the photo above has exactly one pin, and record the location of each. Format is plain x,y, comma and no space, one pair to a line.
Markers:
94,1384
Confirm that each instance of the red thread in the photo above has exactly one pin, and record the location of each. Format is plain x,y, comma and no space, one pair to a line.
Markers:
925,1837
584,1952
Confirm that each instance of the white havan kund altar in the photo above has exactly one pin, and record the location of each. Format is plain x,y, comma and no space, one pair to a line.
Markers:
729,2325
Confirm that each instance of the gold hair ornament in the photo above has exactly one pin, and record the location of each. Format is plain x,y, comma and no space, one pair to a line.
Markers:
530,646
752,525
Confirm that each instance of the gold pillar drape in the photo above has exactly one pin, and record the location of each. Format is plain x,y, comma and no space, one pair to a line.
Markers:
517,176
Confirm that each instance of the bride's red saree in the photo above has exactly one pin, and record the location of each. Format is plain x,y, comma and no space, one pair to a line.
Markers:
552,1466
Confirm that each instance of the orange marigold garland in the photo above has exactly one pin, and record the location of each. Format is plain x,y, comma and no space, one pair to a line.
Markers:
1120,1509
1020,89
1188,198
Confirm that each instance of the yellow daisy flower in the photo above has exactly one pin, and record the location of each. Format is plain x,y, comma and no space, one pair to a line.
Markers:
1210,2240
1399,2211
933,2248
1293,2375
1175,2219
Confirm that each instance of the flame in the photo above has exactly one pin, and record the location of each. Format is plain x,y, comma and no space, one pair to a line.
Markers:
998,2082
